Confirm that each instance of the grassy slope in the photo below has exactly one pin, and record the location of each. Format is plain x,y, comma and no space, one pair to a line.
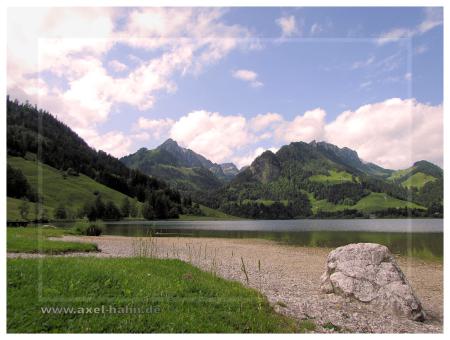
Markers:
373,202
334,177
73,191
400,173
265,202
35,240
378,201
183,298
324,205
418,180
13,205
209,214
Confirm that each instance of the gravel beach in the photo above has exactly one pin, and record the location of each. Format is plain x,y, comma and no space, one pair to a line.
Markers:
289,276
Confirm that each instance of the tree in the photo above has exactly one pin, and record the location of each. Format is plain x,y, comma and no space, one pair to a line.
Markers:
60,212
134,208
111,211
161,206
24,209
125,207
18,186
99,207
147,211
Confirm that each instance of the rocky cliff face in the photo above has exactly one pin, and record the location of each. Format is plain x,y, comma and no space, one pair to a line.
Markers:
266,167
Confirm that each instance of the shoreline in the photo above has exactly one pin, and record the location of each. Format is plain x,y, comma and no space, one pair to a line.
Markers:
289,277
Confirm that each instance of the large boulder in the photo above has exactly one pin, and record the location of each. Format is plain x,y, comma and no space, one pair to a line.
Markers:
369,273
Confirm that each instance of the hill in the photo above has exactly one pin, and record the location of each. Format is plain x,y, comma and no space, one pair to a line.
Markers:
183,168
305,179
34,131
60,188
417,176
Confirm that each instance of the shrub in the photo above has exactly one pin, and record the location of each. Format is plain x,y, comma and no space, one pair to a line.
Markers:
89,228
60,212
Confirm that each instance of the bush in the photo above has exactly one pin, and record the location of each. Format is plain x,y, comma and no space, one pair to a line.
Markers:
89,228
60,212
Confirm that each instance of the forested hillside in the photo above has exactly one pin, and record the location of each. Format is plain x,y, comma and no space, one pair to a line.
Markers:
320,179
31,131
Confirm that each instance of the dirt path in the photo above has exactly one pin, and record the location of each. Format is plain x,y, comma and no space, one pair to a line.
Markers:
289,276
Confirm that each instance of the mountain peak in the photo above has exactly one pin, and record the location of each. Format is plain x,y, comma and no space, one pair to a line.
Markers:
169,142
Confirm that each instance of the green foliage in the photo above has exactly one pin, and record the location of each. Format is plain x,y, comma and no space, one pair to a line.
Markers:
88,228
378,201
24,209
147,211
181,298
125,207
60,212
331,327
185,170
333,177
418,180
31,130
18,186
13,209
73,192
307,326
35,240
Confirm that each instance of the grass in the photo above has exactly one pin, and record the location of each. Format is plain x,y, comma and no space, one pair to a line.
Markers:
13,204
379,201
180,297
373,202
307,326
324,205
72,191
333,177
209,215
400,173
331,327
265,202
35,240
418,180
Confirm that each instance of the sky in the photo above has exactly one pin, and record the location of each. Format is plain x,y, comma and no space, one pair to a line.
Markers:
230,83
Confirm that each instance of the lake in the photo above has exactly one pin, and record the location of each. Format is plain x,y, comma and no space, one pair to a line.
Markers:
414,237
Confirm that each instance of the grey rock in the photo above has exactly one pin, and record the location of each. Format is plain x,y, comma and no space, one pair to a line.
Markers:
369,273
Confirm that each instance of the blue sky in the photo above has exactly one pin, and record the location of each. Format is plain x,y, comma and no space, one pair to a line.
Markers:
230,83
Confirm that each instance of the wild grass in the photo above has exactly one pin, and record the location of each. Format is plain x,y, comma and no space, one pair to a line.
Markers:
35,240
89,228
188,299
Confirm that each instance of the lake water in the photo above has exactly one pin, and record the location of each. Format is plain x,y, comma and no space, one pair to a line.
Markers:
415,237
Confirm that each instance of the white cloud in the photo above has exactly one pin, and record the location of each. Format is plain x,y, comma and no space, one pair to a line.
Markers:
262,121
117,66
248,76
306,127
155,128
71,43
115,143
393,133
433,18
288,26
247,159
211,134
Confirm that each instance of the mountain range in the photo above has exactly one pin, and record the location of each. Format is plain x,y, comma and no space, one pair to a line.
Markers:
319,177
315,179
183,168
